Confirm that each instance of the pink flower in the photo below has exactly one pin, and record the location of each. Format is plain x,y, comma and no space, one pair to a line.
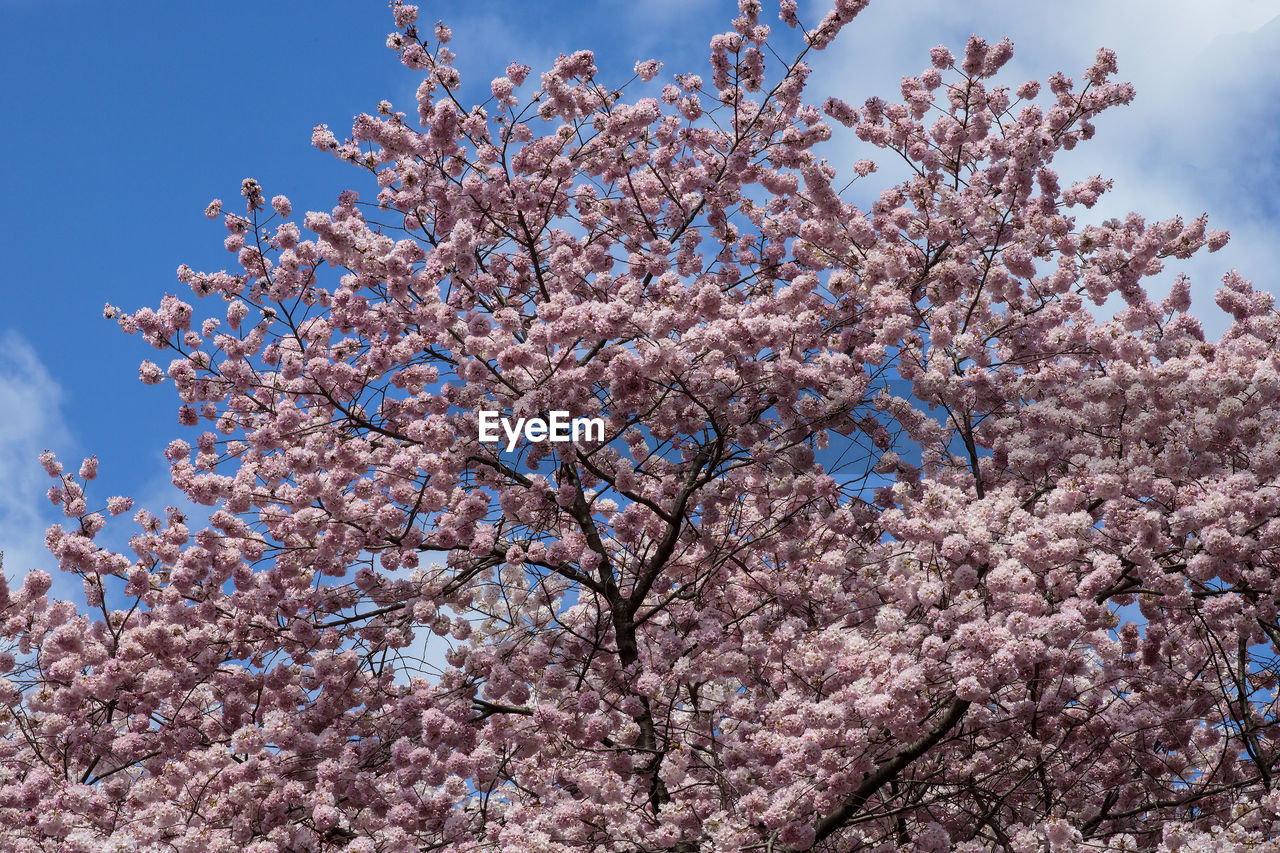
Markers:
150,373
252,192
89,468
648,69
405,14
50,463
119,505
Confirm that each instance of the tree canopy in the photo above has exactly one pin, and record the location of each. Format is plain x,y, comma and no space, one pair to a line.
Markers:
893,539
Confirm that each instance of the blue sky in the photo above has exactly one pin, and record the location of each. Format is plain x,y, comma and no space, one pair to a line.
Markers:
124,120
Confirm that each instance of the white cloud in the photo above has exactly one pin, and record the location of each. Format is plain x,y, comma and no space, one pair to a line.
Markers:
31,422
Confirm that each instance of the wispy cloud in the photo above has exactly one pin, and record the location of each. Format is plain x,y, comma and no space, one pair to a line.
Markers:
30,421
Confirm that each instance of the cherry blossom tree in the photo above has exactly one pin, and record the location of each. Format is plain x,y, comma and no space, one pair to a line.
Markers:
894,539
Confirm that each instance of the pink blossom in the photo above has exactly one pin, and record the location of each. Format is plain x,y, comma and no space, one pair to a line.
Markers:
119,505
648,69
